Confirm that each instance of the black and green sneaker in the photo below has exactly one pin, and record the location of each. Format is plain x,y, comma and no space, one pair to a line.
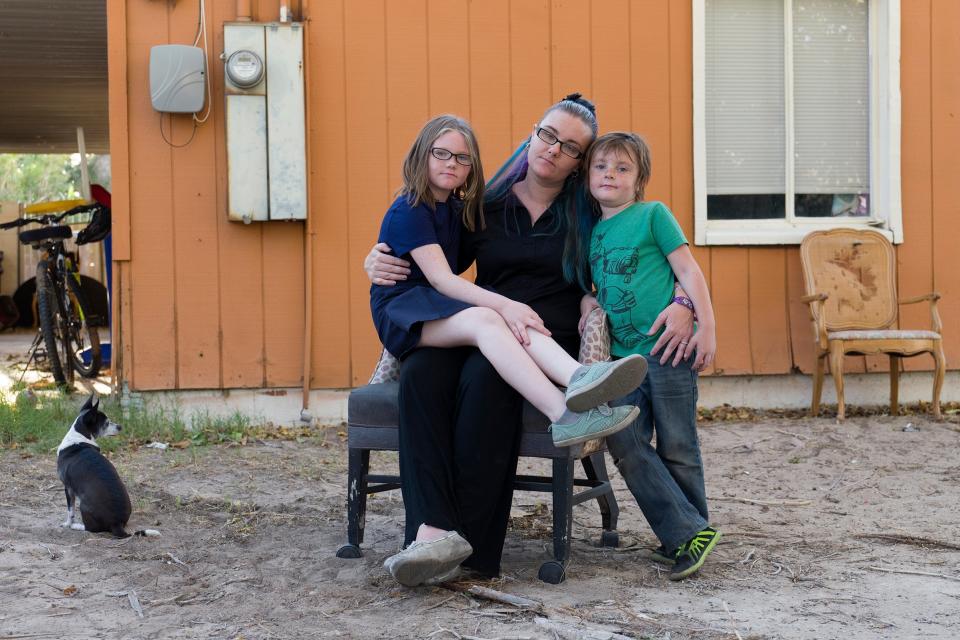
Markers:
661,555
690,556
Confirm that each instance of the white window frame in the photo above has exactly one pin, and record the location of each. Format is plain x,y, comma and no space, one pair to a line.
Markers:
885,195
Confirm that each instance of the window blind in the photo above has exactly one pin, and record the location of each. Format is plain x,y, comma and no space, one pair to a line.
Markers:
744,97
831,96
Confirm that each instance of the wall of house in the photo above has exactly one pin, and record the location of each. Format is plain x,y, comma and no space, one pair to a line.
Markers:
205,303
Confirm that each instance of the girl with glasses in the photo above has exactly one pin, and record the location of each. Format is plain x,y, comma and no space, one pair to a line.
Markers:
434,307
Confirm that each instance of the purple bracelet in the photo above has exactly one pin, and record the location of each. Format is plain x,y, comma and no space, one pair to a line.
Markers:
688,303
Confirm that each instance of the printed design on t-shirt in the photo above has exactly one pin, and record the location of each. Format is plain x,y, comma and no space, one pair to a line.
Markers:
621,263
618,261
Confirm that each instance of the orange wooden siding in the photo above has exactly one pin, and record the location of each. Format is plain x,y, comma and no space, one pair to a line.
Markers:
205,303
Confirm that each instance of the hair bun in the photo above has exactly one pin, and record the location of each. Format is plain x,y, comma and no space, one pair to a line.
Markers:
578,98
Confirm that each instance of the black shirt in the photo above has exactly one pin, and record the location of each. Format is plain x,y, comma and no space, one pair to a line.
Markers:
524,262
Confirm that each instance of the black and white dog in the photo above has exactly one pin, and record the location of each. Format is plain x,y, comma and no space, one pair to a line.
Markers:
91,483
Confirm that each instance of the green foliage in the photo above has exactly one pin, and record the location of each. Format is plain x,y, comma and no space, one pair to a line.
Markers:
36,426
30,178
39,425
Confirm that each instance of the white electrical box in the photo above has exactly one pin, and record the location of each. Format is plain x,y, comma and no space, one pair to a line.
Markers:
177,78
246,120
266,121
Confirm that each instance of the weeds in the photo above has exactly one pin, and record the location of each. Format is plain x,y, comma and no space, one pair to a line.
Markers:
38,423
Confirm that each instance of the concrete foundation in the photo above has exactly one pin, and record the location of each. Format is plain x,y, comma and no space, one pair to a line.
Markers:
329,406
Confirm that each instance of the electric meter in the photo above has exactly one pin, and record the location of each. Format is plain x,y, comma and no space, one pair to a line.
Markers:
244,68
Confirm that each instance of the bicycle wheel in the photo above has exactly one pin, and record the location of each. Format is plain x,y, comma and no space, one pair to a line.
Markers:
52,326
81,336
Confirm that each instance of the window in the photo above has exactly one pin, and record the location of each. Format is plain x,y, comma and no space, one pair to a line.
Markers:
796,118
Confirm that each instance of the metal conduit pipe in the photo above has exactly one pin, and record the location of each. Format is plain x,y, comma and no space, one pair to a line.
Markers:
309,232
243,11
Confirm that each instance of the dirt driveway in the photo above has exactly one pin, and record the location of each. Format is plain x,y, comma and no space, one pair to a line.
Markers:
831,532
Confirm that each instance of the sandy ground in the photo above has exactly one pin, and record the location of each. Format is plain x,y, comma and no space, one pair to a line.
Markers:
249,535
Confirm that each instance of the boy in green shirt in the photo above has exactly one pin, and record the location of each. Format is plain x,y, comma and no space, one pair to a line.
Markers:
636,248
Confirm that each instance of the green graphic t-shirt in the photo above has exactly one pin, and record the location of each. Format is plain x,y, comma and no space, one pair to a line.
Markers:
628,258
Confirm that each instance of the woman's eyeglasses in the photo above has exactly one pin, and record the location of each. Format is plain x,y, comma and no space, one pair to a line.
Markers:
567,148
444,154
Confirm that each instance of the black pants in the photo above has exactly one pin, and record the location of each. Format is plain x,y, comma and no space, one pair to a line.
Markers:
460,427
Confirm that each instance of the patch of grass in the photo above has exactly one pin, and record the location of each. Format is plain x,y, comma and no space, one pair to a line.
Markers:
37,425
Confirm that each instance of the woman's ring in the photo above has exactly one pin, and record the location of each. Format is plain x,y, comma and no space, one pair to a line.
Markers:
682,342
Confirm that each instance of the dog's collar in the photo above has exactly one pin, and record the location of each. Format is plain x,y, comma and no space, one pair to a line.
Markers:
73,438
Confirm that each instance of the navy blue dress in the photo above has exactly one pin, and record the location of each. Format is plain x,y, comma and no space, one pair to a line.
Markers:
399,311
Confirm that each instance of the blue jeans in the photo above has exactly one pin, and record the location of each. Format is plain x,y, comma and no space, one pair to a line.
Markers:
667,481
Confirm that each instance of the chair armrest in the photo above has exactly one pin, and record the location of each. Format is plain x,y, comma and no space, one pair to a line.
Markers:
387,369
936,325
595,340
816,301
927,296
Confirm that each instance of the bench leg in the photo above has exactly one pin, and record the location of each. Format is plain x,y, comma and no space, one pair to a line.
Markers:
359,468
553,570
595,467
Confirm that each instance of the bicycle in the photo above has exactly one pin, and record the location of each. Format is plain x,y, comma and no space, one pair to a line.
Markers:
71,343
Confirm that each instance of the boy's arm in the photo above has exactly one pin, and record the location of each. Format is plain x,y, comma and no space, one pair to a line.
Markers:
518,316
688,272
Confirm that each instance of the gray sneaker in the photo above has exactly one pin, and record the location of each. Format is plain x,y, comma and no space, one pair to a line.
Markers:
422,561
602,382
449,576
599,422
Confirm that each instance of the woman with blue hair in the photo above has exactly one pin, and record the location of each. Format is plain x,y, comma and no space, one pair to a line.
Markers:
460,423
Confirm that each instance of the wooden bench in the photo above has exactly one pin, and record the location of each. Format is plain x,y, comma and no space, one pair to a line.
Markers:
372,425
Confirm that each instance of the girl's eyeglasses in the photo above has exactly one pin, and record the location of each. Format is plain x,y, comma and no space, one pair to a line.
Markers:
444,154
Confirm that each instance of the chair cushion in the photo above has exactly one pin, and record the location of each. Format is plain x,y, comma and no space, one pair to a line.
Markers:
387,369
883,334
595,341
375,405
373,418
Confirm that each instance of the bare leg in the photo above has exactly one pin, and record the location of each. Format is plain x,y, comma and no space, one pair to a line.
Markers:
426,533
484,328
555,363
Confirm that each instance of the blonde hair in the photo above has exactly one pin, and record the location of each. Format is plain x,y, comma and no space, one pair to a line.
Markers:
416,178
631,145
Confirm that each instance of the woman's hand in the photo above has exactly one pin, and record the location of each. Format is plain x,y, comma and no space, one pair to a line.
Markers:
676,337
383,268
518,317
587,304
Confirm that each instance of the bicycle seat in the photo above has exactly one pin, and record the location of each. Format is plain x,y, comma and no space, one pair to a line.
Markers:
59,232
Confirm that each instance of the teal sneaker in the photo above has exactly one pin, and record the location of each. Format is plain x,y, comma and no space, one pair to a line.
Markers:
690,556
595,384
661,555
599,422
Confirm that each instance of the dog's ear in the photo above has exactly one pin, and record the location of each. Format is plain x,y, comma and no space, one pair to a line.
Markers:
91,403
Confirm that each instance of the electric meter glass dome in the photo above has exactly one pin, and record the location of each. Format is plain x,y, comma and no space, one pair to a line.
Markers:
244,68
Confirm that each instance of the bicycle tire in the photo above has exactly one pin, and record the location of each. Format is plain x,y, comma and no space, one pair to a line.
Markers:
81,335
48,312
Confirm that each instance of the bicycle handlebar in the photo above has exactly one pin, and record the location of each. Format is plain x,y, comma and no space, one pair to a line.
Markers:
49,218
